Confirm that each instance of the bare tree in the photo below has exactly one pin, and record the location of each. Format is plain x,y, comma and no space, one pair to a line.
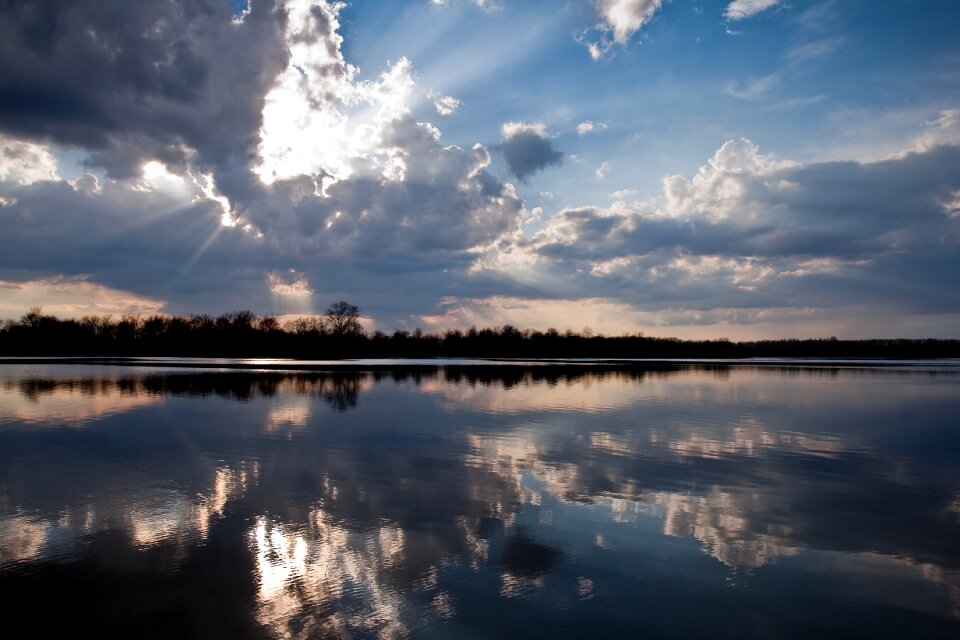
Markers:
32,318
304,325
343,318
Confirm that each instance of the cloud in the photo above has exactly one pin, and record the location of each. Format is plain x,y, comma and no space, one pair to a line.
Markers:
71,297
625,17
242,161
948,119
310,169
601,171
26,162
488,5
619,20
741,9
753,88
176,82
588,126
814,49
528,148
446,105
755,233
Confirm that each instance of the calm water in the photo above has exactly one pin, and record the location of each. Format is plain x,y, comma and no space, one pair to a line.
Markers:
668,502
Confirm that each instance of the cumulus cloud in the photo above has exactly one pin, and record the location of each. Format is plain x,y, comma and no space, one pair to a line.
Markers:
258,151
741,9
528,148
625,17
26,162
169,81
752,231
446,105
619,20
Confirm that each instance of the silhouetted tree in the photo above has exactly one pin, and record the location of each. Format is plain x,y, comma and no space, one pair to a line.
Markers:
269,323
304,325
343,319
32,318
338,334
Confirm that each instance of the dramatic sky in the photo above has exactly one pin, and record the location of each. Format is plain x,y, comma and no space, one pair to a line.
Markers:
738,168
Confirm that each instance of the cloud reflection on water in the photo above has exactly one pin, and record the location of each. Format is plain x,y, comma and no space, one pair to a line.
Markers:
392,495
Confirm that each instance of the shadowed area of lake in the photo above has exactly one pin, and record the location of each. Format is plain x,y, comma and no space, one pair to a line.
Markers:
676,500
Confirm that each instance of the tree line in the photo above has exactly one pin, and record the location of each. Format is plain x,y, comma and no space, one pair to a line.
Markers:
338,334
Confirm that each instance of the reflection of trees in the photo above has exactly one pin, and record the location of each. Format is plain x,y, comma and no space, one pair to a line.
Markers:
554,375
340,389
342,385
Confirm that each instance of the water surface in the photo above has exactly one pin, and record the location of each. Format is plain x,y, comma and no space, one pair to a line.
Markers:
671,500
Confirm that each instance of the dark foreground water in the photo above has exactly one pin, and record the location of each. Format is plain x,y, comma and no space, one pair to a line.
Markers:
668,502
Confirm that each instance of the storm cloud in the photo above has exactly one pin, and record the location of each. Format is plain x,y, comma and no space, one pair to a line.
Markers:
158,80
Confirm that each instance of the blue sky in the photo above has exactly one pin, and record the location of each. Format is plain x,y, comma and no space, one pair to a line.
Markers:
739,168
794,78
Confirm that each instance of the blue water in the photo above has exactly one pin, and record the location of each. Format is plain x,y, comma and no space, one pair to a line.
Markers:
669,500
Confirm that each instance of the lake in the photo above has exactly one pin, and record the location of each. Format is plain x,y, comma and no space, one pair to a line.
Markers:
594,500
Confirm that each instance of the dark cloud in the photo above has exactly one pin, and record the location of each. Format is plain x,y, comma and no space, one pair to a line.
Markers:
528,149
191,95
137,81
177,250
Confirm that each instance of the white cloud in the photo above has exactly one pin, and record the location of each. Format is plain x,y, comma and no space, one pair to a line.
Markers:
813,50
304,131
291,292
488,5
753,88
588,126
619,20
511,129
625,17
26,162
446,105
948,119
292,285
601,171
720,187
741,9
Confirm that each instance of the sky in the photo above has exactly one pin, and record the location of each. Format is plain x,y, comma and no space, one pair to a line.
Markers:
694,168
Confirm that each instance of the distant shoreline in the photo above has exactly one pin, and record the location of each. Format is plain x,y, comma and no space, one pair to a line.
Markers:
373,364
243,335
